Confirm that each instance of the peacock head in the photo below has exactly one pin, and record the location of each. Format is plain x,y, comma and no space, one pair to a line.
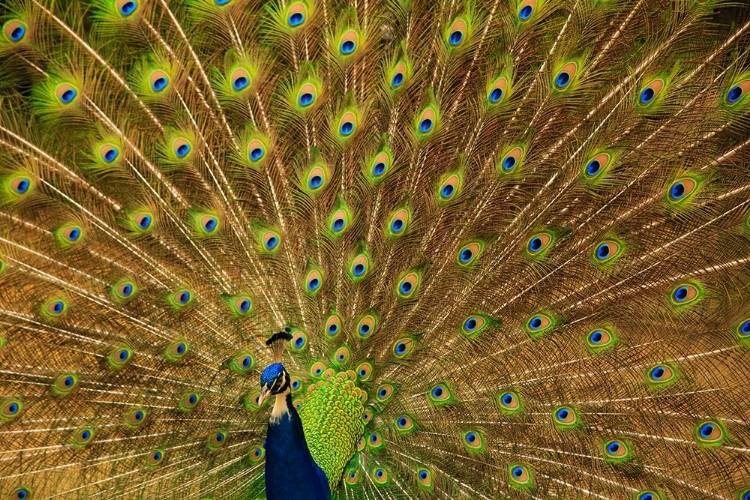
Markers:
275,379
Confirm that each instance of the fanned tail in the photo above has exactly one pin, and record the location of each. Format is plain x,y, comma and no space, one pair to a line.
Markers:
521,227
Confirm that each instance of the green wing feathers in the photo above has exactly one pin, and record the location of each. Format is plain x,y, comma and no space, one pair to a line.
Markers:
331,416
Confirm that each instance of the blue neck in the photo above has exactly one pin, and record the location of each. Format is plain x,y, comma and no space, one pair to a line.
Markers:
291,471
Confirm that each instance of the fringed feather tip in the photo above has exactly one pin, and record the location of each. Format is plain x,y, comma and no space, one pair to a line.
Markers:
277,341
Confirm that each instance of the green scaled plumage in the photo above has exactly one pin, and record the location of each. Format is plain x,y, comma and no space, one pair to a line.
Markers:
511,239
332,418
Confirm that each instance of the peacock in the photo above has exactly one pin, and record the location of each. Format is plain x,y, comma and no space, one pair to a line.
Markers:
374,249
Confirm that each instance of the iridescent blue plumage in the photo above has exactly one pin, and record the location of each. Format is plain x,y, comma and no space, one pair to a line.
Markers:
270,373
291,471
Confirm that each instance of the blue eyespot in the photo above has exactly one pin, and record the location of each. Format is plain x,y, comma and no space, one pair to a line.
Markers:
397,225
240,83
183,150
602,252
456,38
193,399
562,80
315,181
680,294
111,155
128,8
470,324
496,95
299,342
145,222
657,372
123,355
332,329
517,472
138,415
359,270
596,336
313,284
246,360
562,413
13,408
306,99
74,234
447,191
68,381
22,494
222,2
347,128
364,329
398,79
256,154
507,398
68,96
378,169
733,96
466,255
647,95
379,473
646,496
535,323
508,163
347,47
184,297
295,384
85,435
296,19
677,191
593,167
18,33
58,307
160,84
437,392
535,244
745,328
22,186
272,242
338,225
471,437
405,287
180,348
525,13
219,437
402,423
425,125
210,224
706,430
423,475
400,348
613,447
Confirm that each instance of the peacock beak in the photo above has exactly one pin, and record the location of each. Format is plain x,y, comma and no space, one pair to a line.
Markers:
264,393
